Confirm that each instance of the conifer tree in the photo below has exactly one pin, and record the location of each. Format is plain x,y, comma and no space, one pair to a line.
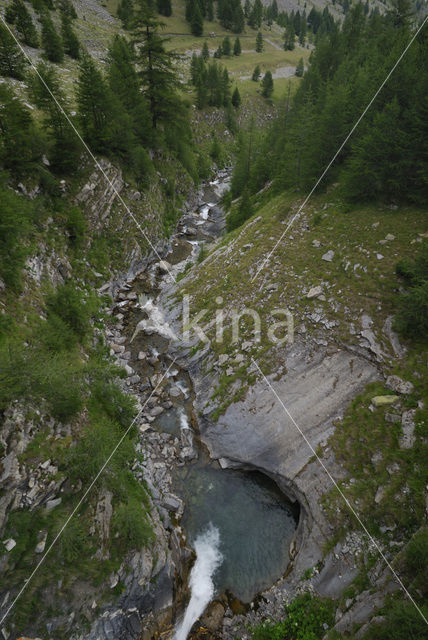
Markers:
67,7
164,7
196,20
157,74
210,10
69,38
237,47
289,37
236,98
259,42
21,147
218,52
225,86
226,46
44,84
267,85
205,51
12,62
51,41
125,13
93,102
256,74
247,9
303,30
19,15
300,68
256,15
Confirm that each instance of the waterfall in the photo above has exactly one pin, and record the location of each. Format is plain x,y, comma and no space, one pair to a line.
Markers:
208,558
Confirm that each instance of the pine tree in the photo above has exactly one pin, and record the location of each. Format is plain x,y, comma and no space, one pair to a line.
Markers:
218,52
237,47
196,20
210,10
21,146
20,16
12,62
303,30
44,84
267,85
157,74
164,7
300,69
226,46
256,74
289,37
93,100
69,38
67,7
400,13
51,41
225,86
205,51
256,15
259,42
236,98
125,13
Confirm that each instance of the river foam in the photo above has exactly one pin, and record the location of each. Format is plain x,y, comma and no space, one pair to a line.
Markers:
208,559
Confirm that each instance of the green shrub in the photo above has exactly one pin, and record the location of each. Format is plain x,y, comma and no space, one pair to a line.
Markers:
76,226
130,523
118,406
15,224
402,621
73,540
305,618
69,304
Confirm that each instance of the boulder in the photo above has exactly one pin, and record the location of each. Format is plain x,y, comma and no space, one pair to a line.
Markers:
399,385
407,439
9,544
164,266
314,292
51,504
328,257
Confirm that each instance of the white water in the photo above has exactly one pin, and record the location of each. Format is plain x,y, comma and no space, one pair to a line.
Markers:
208,558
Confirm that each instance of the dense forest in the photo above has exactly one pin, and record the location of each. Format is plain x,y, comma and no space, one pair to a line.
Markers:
386,155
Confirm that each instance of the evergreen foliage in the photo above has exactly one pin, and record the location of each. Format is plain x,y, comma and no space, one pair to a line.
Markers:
300,69
18,14
226,46
256,74
256,15
69,38
12,62
267,85
259,42
387,156
231,15
237,47
66,148
164,7
51,41
211,81
125,12
236,98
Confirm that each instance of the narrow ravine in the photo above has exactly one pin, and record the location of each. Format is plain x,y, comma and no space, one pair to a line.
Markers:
237,522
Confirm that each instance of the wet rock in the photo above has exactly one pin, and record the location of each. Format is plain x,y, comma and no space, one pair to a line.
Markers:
172,503
399,385
213,619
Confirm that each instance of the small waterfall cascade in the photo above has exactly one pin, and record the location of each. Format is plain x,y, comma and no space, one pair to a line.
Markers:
208,559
